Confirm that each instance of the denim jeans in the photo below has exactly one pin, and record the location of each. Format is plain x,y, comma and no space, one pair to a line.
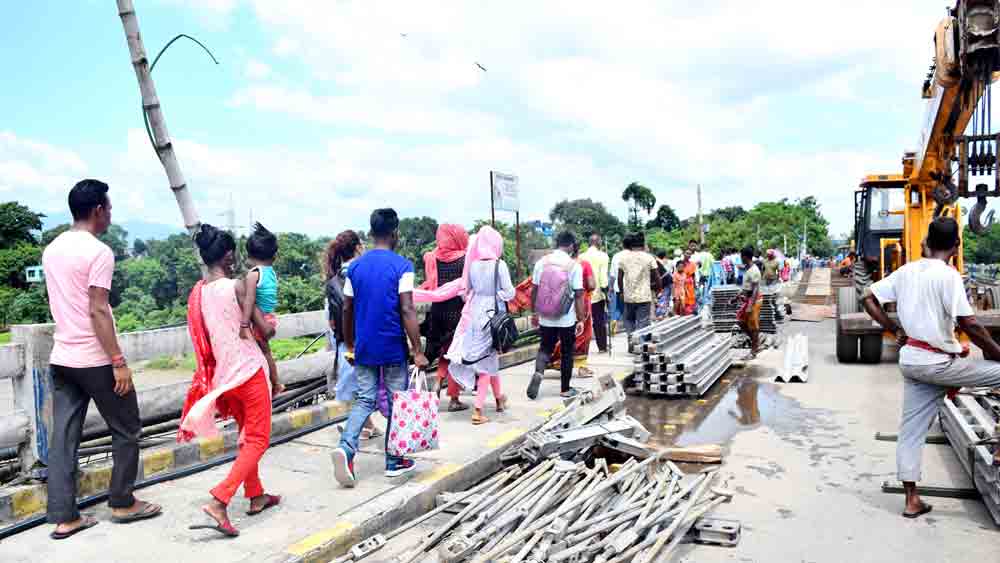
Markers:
396,378
347,384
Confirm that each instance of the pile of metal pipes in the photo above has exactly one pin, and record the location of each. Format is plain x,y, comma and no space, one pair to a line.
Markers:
971,421
560,511
677,357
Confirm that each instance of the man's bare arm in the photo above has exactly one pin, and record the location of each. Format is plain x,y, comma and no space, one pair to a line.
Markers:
104,327
103,322
581,307
409,313
980,337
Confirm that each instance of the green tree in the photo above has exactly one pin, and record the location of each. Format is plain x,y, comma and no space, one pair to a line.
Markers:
585,217
18,224
731,213
30,306
138,247
15,259
181,268
417,235
298,256
665,219
984,248
641,197
297,295
117,239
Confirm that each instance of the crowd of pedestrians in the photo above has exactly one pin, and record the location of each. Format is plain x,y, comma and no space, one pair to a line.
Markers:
371,297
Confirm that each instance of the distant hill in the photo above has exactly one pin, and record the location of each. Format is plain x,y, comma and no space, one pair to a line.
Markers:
136,229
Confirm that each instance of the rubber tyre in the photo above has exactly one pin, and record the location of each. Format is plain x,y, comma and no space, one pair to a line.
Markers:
871,348
847,344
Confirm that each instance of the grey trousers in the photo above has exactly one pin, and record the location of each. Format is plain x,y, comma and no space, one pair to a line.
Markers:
923,389
73,388
636,316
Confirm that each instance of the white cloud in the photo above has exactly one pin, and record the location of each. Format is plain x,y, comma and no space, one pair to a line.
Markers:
37,172
256,70
285,46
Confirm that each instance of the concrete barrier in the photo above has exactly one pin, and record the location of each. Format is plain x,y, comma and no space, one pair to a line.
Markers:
11,361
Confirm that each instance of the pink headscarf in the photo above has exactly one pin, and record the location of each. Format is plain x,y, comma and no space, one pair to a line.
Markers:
452,241
486,244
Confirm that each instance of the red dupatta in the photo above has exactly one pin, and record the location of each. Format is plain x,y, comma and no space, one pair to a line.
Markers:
201,383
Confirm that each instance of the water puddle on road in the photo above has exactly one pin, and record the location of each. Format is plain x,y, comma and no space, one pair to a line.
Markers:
736,403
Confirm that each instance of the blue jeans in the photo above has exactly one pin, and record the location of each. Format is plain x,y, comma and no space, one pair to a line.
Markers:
347,383
396,378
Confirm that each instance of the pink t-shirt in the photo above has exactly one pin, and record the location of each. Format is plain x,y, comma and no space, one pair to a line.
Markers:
74,262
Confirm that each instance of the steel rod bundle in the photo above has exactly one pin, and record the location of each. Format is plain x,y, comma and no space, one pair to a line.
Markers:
678,357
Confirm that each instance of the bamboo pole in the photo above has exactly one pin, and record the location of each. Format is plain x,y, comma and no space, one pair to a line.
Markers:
151,106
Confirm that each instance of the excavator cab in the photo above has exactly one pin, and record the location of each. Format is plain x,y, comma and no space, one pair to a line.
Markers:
879,208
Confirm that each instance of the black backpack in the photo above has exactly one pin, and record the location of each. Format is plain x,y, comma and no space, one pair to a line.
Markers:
503,329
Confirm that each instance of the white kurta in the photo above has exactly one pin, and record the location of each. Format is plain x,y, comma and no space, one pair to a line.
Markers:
472,351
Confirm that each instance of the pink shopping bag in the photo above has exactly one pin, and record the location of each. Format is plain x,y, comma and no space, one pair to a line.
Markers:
414,418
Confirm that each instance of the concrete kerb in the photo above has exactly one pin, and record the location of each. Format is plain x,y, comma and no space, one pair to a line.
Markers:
26,501
398,506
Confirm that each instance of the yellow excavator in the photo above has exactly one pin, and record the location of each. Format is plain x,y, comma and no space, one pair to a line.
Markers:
955,158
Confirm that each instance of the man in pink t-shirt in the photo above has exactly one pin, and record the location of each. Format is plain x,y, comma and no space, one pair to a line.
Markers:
87,363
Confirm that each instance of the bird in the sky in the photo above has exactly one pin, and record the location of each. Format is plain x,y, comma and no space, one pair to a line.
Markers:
481,67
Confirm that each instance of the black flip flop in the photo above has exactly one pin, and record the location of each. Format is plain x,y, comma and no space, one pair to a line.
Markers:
926,508
149,510
88,522
272,501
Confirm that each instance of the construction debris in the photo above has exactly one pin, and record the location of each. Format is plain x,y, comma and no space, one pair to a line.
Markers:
560,503
971,421
677,357
796,367
709,453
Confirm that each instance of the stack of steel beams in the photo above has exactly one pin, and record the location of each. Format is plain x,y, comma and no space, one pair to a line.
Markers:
968,420
724,310
678,357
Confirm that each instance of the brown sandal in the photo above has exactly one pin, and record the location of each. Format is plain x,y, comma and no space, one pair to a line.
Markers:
478,418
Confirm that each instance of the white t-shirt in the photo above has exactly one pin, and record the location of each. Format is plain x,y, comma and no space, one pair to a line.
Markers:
575,280
929,296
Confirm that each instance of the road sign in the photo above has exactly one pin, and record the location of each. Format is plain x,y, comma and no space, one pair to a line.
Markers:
505,192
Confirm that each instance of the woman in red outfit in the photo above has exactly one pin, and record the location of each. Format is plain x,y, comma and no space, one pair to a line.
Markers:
231,380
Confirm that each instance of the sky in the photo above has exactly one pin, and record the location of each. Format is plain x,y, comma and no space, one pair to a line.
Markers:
320,111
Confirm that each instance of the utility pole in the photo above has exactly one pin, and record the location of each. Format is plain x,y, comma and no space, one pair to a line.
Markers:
701,224
157,123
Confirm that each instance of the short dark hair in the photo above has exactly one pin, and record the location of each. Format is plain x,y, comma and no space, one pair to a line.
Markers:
565,238
384,222
661,254
747,252
213,243
692,241
262,244
943,234
638,240
627,242
86,196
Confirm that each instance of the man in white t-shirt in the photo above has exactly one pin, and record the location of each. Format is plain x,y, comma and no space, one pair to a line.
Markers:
930,300
560,329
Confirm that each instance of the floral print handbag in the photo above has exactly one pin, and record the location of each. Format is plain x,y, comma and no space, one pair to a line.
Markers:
414,425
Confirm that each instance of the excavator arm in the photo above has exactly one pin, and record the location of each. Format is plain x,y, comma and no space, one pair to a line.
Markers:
967,56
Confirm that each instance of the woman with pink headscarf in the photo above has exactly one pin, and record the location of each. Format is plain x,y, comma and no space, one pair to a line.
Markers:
444,264
485,281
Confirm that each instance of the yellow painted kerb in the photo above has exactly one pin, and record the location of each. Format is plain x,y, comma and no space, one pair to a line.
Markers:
301,418
336,409
29,500
94,480
339,532
211,447
157,461
505,438
438,473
